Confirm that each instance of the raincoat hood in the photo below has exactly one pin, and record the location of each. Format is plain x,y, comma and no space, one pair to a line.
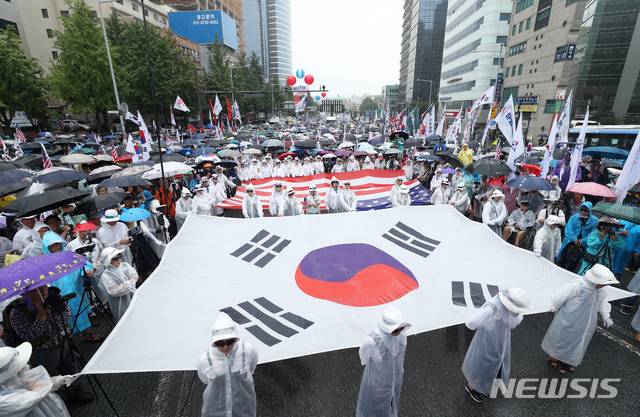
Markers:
147,199
588,205
34,232
223,328
51,238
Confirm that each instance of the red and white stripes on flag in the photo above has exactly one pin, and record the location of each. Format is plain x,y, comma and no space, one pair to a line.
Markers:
20,136
114,152
46,161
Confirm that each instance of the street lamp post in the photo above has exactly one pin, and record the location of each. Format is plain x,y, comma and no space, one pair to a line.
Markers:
113,76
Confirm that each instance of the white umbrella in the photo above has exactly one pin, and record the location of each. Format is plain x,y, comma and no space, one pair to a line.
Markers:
346,145
105,168
252,151
170,169
207,157
77,158
371,151
328,156
133,171
106,158
245,144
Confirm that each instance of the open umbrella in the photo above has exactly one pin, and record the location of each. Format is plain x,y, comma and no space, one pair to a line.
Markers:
592,188
104,158
100,202
57,175
273,143
346,145
401,133
172,157
133,171
106,168
229,153
203,150
77,158
619,211
134,214
170,169
341,152
363,146
527,182
307,144
9,165
15,175
606,152
14,187
430,158
191,142
360,153
49,200
128,181
85,227
252,152
34,272
327,141
413,142
489,166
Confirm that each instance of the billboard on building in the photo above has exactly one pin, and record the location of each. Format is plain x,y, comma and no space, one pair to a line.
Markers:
203,26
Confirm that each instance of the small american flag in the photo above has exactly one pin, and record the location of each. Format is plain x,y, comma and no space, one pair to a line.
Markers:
498,151
21,136
114,152
46,162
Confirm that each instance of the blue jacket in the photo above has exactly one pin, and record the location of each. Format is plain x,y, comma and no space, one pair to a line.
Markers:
574,227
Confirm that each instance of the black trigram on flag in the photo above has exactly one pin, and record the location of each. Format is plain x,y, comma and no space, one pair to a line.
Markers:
476,293
270,317
411,240
262,248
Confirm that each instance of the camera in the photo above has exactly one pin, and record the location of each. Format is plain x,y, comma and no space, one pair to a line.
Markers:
86,248
583,220
134,232
55,302
611,232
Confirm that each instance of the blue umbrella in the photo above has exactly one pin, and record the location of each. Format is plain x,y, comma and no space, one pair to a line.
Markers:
14,175
201,151
134,214
30,273
110,137
606,152
378,140
46,134
190,142
44,142
527,182
200,136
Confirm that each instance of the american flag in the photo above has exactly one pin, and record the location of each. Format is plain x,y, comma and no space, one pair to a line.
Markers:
114,152
21,136
46,162
498,150
371,186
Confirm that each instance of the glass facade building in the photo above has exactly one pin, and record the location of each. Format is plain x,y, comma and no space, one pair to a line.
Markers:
267,25
423,28
607,59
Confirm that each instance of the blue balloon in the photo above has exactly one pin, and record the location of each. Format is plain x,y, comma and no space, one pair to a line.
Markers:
318,98
300,73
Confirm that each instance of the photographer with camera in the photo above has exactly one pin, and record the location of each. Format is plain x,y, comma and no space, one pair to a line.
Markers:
91,248
115,234
553,207
603,242
576,232
40,318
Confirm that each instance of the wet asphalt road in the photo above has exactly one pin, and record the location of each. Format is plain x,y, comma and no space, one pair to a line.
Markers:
327,384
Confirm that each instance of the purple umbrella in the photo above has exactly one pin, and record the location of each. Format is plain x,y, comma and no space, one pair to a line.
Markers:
341,152
30,273
448,171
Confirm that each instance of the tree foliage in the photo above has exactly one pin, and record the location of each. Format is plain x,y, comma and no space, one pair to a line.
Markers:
22,85
368,104
81,74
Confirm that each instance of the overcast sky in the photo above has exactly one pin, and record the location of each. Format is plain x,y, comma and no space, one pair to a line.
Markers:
350,46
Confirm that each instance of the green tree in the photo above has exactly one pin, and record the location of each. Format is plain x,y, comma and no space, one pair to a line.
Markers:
368,104
81,74
22,86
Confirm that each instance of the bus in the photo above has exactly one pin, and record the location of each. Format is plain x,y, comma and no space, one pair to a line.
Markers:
616,136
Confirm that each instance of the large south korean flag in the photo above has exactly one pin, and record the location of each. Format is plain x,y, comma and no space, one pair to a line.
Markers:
307,284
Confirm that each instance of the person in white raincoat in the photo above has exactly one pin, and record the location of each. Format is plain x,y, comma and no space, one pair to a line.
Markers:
382,353
489,355
243,173
460,199
35,248
352,164
278,170
115,234
367,163
319,165
118,281
223,178
221,194
442,194
296,169
548,239
435,181
313,200
265,169
332,198
26,392
396,187
184,206
227,369
495,212
338,167
275,200
408,169
202,201
290,205
23,238
576,305
255,172
251,205
348,199
402,197
555,193
308,167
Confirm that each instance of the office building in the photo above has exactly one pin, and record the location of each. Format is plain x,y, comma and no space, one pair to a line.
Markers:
267,26
423,26
607,60
475,36
390,94
540,51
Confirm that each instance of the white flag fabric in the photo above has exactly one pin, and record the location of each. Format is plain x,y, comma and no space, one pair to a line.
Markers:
630,175
130,145
429,122
173,120
134,119
506,120
179,104
288,284
564,122
486,129
576,155
454,129
302,105
488,96
517,145
551,145
217,108
145,138
443,117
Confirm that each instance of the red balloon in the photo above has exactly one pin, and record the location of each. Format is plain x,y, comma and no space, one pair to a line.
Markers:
308,79
324,95
291,80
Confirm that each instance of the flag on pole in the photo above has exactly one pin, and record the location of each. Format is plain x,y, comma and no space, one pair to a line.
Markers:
46,162
5,154
576,155
488,96
302,105
134,119
630,175
229,111
130,145
454,129
236,112
486,129
564,122
114,152
217,108
517,146
213,111
173,120
440,128
20,136
498,152
179,104
551,145
16,146
145,137
506,120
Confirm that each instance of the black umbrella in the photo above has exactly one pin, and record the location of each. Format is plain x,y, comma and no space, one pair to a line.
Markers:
527,182
529,160
402,133
430,158
99,177
489,167
226,163
30,161
473,144
7,166
125,181
58,175
14,175
14,187
256,146
99,202
70,141
173,156
29,146
450,159
434,137
413,142
307,144
49,200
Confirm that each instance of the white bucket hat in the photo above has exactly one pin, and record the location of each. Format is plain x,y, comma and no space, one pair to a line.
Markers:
497,193
12,360
392,319
515,299
108,254
461,186
110,215
186,192
554,220
404,189
290,191
250,187
600,275
223,328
